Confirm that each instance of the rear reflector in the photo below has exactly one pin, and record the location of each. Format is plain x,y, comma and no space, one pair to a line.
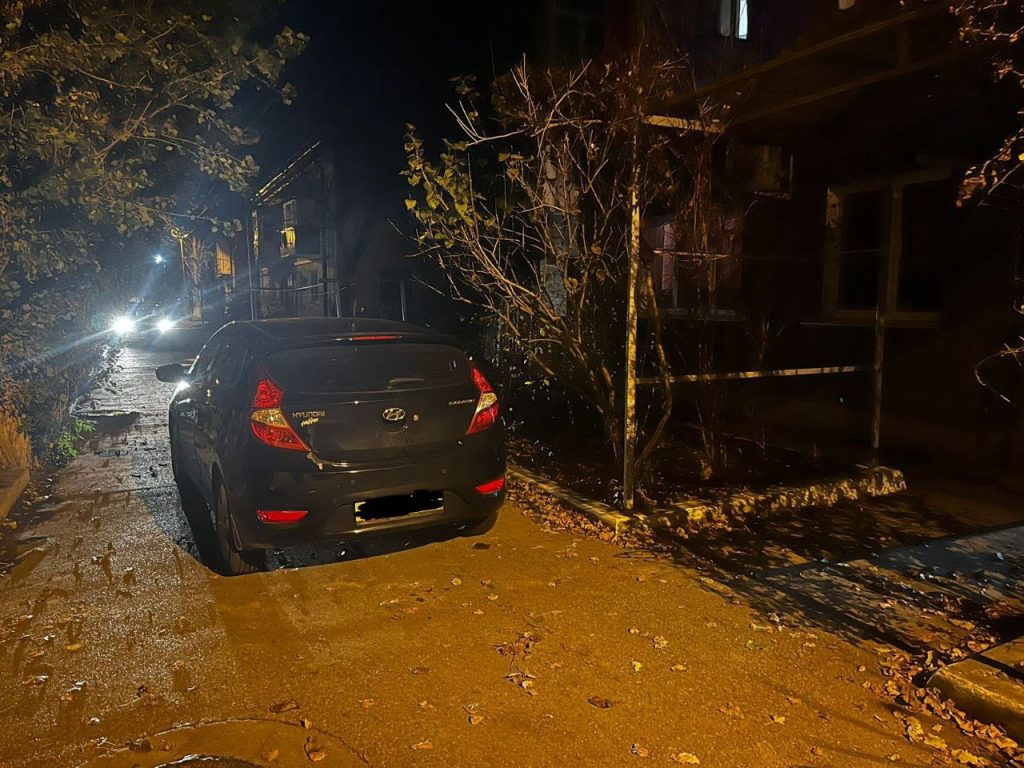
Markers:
494,486
280,515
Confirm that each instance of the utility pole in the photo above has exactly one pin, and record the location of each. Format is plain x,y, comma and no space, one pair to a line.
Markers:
251,225
180,236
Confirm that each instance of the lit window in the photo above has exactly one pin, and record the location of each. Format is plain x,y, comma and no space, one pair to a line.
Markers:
734,19
742,21
224,266
288,239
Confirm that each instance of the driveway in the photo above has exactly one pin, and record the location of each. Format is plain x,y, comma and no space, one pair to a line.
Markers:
529,646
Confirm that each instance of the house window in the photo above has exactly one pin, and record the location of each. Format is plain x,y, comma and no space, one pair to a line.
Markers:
224,266
860,247
682,278
734,19
288,241
897,230
392,298
577,30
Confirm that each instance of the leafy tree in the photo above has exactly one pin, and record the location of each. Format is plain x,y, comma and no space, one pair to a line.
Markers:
118,118
998,24
529,216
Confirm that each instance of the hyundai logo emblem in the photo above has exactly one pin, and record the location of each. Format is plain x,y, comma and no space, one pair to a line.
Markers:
393,414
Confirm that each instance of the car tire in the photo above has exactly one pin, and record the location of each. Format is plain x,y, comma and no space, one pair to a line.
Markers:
481,526
174,465
234,562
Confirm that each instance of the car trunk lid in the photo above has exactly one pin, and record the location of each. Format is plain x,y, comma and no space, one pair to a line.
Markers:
358,402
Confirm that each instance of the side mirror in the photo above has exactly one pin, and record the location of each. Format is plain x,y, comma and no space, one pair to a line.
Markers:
171,373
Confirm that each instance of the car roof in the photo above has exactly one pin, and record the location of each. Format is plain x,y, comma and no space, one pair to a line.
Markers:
289,331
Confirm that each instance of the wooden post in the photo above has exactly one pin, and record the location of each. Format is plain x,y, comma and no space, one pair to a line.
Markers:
888,259
876,393
629,397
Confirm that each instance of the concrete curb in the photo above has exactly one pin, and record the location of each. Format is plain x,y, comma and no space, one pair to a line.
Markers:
864,483
988,687
602,513
693,514
12,483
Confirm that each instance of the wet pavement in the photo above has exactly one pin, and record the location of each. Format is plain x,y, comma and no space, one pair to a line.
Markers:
121,646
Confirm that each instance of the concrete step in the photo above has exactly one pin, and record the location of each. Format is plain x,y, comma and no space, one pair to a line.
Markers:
989,686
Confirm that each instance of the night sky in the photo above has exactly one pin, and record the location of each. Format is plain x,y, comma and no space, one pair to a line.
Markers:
370,68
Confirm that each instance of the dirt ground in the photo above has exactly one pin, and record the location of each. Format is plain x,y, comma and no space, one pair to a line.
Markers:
529,646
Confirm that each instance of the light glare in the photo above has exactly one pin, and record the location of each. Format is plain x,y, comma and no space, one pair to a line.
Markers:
123,326
164,325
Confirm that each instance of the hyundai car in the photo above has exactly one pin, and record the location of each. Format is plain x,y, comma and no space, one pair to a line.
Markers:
303,430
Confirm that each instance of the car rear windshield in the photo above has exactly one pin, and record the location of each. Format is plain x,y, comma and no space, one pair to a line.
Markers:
368,367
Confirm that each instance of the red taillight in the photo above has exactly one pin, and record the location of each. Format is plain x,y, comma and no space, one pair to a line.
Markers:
494,486
278,437
280,515
268,421
486,407
268,395
481,383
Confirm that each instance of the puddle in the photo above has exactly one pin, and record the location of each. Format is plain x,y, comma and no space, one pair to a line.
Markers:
18,558
208,761
243,743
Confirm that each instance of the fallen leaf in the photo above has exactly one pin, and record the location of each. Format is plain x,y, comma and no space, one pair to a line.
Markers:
935,743
637,666
600,702
475,719
732,710
779,719
425,744
284,706
685,758
73,647
660,642
492,597
639,751
456,582
367,703
314,754
678,668
964,757
305,723
269,756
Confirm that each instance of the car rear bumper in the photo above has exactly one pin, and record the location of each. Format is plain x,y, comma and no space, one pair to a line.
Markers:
330,495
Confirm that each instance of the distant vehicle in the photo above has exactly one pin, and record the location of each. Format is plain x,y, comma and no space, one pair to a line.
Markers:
147,319
303,430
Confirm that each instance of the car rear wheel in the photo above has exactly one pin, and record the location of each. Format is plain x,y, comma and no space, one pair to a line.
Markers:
234,561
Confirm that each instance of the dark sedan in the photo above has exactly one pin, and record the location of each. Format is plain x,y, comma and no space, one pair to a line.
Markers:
301,430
